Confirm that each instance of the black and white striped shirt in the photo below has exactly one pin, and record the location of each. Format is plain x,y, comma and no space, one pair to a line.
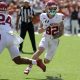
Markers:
24,13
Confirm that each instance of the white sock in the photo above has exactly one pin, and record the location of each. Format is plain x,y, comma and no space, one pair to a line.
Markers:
34,62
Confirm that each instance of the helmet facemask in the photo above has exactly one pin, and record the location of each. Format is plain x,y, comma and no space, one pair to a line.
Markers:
52,12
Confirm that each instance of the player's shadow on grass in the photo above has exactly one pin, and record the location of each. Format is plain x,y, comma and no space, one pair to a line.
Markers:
53,78
47,78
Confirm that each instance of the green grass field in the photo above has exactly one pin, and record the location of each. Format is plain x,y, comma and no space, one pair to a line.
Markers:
64,66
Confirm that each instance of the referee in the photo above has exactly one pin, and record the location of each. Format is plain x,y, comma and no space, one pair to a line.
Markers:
26,14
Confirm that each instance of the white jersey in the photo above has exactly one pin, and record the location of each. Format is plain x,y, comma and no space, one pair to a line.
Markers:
5,22
47,22
47,41
8,39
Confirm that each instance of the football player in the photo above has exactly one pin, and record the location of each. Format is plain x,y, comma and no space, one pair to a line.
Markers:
52,26
10,41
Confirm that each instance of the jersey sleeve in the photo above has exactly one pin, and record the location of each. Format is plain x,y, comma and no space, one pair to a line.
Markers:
60,18
44,20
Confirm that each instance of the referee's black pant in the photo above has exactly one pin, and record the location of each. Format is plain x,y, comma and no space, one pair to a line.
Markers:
30,28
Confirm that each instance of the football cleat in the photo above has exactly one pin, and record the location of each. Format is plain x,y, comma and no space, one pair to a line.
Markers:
27,70
41,65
